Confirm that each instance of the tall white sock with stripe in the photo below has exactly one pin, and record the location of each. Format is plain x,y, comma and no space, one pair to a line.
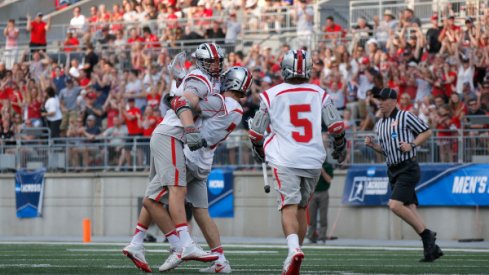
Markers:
174,240
293,242
182,230
138,237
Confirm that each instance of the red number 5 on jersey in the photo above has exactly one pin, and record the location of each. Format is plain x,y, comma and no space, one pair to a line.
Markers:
301,122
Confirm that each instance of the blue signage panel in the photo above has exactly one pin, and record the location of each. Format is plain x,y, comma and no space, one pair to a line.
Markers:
220,192
440,185
29,188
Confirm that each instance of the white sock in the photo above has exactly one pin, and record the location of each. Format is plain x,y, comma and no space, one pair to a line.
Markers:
293,242
174,240
138,237
219,251
182,230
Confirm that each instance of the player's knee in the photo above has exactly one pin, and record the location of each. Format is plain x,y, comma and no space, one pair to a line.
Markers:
394,205
178,191
148,203
200,212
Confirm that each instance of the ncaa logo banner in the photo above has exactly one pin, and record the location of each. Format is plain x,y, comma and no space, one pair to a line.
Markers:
220,193
366,185
29,189
440,185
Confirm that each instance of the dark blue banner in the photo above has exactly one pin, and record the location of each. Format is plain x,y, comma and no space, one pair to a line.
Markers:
440,185
220,192
29,188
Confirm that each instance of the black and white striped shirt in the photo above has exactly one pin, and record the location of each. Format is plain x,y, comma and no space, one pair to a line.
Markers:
399,126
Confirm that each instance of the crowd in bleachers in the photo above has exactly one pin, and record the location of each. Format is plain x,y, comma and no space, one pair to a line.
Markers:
441,74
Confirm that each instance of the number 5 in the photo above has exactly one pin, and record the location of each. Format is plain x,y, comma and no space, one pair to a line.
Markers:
301,122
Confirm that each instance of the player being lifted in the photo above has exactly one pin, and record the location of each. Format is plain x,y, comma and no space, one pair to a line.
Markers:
221,114
291,115
168,164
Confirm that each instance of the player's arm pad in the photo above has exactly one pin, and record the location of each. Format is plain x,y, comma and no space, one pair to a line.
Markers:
178,104
258,126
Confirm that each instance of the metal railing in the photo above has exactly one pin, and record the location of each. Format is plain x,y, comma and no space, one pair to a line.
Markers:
251,23
133,154
122,52
455,146
422,9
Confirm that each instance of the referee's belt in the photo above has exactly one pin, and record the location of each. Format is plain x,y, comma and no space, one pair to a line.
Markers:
397,165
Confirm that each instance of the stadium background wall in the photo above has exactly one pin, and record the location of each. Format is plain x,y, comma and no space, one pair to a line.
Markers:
110,200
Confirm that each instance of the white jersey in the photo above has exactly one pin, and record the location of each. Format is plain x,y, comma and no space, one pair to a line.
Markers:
202,86
295,139
220,116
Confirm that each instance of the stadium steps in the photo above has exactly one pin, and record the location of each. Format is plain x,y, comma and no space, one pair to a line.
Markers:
339,9
18,9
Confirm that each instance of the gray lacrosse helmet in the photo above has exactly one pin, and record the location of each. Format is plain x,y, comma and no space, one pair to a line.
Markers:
237,79
209,58
296,64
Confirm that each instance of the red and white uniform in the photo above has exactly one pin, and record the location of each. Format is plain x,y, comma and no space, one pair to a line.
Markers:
220,116
295,138
197,82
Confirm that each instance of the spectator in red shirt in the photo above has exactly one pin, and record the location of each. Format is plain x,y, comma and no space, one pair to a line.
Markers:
150,39
445,124
131,116
332,30
457,107
93,19
153,98
103,14
71,43
34,102
405,103
111,107
117,14
149,122
134,36
38,29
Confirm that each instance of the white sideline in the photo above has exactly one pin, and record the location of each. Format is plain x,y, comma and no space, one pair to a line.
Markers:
272,246
165,250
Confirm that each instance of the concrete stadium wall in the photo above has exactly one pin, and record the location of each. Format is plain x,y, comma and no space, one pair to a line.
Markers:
110,200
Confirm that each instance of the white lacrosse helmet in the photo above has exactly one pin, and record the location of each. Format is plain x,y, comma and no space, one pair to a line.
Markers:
209,58
237,79
177,66
296,64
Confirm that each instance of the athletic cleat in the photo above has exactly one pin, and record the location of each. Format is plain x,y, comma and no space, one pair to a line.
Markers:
292,264
174,260
136,254
193,252
433,256
431,250
217,267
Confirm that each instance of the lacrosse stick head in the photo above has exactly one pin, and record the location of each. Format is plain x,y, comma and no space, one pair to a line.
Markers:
177,66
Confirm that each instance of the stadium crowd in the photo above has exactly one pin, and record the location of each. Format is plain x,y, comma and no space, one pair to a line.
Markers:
115,70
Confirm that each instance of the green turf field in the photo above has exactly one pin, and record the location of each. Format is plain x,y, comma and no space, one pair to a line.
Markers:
244,259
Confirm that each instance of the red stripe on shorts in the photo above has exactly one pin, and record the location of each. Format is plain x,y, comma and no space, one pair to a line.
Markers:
161,194
279,186
174,159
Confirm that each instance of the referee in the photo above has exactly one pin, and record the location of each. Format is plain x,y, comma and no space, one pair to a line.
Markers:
399,133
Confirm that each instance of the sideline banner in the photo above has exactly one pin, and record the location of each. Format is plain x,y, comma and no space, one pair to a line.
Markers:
440,185
29,189
220,193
